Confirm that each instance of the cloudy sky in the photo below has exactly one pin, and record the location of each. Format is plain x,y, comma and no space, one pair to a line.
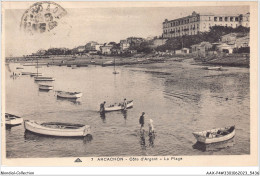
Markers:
83,24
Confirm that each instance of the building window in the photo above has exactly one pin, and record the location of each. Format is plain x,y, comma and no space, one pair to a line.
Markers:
198,26
226,18
236,19
231,18
236,25
188,20
209,18
226,25
231,25
220,18
215,18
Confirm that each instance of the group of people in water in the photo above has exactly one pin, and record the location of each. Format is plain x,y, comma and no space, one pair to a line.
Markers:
141,119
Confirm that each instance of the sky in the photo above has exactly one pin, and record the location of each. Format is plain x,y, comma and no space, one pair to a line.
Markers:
103,25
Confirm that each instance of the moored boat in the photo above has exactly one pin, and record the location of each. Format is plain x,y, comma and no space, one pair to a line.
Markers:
41,78
36,74
64,94
26,73
57,128
118,107
45,87
73,66
12,120
214,68
215,135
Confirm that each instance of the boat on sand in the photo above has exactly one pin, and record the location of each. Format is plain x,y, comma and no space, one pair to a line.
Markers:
118,107
57,128
215,135
12,120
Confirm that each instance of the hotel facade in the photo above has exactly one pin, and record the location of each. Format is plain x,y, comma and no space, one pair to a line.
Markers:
192,24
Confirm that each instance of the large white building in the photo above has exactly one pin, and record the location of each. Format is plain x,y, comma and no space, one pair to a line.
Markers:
192,24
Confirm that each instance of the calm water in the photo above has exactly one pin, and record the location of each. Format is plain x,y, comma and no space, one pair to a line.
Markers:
186,100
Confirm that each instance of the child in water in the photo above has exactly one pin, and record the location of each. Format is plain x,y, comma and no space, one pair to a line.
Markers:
151,128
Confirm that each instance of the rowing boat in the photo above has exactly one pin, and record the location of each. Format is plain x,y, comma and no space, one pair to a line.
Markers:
36,74
12,120
119,106
41,78
57,128
214,68
45,87
64,94
26,73
215,135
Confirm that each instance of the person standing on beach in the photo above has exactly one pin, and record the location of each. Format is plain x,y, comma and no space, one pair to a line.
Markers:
141,120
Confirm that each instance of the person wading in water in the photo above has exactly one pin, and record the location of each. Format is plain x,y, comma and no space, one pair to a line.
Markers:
102,107
141,121
124,104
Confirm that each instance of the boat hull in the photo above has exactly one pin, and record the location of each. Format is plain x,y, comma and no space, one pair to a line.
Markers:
44,79
43,87
118,108
13,121
207,140
40,129
35,74
66,95
26,73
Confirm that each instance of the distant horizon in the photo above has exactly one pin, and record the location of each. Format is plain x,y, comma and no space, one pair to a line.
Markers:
102,25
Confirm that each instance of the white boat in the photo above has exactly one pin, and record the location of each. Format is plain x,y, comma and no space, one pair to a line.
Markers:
73,66
118,107
36,74
26,73
19,67
215,135
12,120
64,94
45,87
57,128
41,78
214,68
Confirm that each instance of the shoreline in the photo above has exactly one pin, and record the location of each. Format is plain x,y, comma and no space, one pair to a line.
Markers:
234,60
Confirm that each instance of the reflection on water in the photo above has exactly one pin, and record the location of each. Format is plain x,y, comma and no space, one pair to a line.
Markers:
151,139
142,141
214,146
187,100
124,112
42,90
75,101
103,116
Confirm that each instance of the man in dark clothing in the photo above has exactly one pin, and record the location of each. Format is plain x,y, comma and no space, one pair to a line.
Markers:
141,120
102,107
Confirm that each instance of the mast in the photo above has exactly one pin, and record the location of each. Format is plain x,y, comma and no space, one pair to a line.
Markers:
37,67
114,64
